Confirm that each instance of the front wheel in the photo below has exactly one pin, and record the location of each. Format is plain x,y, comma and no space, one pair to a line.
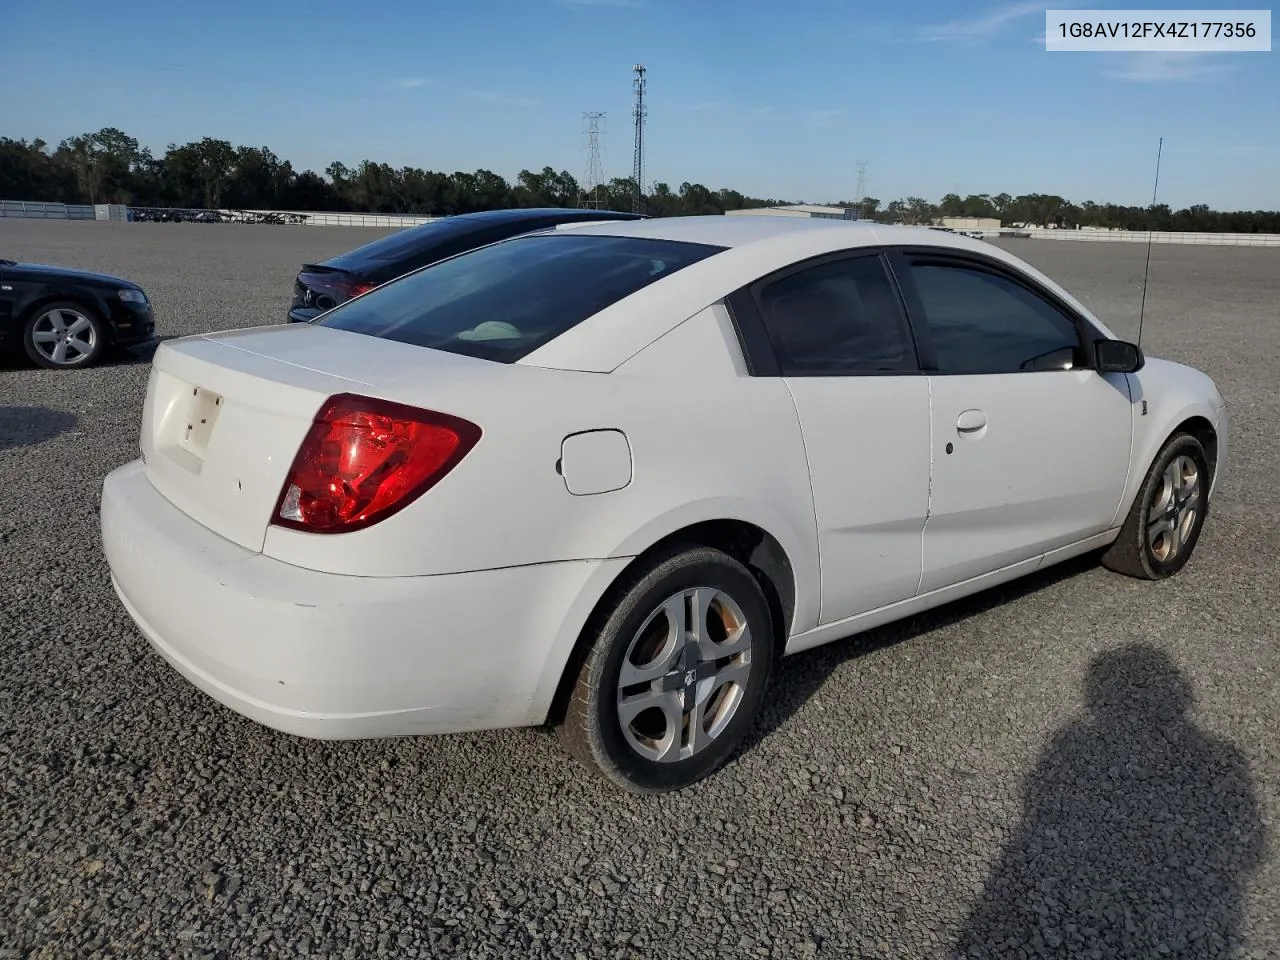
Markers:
675,674
1164,524
64,335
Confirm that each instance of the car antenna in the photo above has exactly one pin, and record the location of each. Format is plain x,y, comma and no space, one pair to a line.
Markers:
1146,272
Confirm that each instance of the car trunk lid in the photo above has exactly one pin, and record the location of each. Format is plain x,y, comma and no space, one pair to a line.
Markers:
322,287
225,414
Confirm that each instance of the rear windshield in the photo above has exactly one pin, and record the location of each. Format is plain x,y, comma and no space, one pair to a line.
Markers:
503,301
404,243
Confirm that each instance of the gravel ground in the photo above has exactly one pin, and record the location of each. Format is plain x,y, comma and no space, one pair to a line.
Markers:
1079,765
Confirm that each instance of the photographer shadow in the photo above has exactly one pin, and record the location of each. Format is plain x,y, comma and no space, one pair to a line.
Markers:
1138,835
27,426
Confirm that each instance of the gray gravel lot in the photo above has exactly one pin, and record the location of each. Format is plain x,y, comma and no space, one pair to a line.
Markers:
1080,765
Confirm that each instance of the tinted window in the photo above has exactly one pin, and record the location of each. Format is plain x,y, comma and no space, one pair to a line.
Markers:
984,323
839,317
405,243
504,301
448,247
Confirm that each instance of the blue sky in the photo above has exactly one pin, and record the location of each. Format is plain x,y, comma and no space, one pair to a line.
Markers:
776,98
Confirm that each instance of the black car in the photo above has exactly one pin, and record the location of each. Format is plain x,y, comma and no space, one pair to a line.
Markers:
66,318
322,286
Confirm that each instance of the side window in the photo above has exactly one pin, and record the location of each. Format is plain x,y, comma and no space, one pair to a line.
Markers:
840,317
984,323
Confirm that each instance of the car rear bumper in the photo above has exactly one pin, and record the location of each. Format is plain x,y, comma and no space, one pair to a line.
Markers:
339,657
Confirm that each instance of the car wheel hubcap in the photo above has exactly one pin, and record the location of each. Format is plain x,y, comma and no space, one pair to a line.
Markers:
684,675
1174,510
65,337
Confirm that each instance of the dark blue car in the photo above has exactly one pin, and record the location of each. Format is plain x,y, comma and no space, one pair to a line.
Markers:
321,286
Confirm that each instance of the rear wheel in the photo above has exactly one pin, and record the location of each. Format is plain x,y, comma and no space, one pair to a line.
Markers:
63,335
675,674
1164,524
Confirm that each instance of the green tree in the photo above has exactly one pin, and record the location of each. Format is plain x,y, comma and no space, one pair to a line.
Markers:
110,166
258,179
28,170
662,202
919,211
199,172
951,206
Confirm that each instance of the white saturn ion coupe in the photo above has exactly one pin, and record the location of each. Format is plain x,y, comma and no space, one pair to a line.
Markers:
602,477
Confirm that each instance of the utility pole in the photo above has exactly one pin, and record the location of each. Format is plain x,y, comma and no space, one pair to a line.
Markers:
593,181
861,192
639,112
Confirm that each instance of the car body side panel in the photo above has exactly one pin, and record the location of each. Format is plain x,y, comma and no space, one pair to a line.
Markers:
709,446
1046,469
8,298
843,629
1174,393
867,444
706,347
35,285
28,293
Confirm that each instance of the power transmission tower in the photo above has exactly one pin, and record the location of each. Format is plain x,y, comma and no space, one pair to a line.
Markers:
861,192
639,112
593,182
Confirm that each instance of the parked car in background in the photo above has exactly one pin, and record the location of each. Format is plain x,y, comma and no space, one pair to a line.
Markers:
322,286
603,477
66,318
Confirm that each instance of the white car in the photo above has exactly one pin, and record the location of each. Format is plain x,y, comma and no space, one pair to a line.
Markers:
603,477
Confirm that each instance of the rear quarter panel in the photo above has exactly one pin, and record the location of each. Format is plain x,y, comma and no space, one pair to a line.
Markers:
707,443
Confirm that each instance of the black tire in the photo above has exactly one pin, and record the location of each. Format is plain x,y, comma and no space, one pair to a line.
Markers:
592,729
75,357
1133,552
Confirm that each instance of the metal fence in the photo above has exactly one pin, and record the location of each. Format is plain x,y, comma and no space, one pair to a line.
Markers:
325,219
64,211
291,217
35,210
1157,236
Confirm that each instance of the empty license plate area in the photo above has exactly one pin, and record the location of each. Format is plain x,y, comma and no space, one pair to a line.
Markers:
185,417
202,414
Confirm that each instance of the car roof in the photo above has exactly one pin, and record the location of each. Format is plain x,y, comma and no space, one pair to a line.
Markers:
377,258
738,231
752,247
538,213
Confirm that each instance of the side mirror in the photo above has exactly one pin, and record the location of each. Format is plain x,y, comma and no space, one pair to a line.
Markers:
1117,356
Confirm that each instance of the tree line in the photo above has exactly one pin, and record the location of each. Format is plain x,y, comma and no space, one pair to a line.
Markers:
110,166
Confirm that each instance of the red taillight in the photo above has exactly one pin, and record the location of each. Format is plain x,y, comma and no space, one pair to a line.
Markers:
356,289
364,459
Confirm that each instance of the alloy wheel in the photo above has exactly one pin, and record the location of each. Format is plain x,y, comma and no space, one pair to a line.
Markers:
1174,509
65,337
684,674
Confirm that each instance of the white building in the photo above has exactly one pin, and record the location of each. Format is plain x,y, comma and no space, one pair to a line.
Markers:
969,223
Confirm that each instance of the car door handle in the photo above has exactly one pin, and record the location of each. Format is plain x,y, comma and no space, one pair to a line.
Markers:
971,421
